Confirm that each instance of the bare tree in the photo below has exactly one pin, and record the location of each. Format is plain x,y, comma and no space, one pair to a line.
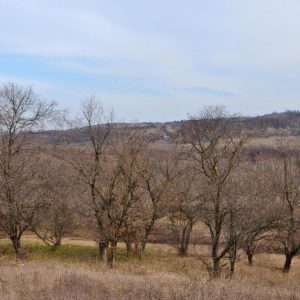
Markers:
158,171
109,173
286,183
261,211
215,148
122,193
56,218
89,164
21,113
184,208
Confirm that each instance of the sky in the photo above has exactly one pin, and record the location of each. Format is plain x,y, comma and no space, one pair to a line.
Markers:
155,60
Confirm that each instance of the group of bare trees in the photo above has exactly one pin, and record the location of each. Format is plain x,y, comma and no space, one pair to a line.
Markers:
124,182
117,184
245,204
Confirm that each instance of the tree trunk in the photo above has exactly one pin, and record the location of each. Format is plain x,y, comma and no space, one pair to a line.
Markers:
216,267
185,239
250,258
136,247
143,246
139,248
288,262
232,255
103,245
128,248
56,245
148,230
17,245
249,255
113,254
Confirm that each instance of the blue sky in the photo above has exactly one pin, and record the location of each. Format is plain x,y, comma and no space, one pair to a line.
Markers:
155,60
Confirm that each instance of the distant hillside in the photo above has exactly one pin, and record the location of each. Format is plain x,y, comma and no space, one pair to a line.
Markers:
274,124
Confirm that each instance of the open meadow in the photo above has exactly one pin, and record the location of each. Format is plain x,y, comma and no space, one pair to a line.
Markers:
74,272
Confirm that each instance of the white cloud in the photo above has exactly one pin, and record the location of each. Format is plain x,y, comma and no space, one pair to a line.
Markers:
249,48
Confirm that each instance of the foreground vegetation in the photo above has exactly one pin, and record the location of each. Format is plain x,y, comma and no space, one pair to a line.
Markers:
74,272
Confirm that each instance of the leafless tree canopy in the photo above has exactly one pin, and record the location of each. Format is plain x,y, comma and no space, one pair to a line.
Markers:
22,195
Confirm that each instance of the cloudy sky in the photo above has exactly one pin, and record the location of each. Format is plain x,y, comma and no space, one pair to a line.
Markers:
155,60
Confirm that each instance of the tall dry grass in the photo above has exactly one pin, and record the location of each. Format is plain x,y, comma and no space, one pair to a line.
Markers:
75,273
44,280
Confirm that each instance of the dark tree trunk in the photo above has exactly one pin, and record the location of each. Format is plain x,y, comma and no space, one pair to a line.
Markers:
216,270
185,239
249,253
232,257
56,245
250,258
216,267
289,255
288,262
16,245
103,246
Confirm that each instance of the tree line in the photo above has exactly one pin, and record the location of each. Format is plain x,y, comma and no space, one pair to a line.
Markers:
118,185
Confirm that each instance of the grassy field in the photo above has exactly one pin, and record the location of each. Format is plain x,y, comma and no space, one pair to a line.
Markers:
74,272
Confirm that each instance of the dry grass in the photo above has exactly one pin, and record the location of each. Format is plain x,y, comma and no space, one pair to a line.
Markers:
273,141
37,280
75,273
